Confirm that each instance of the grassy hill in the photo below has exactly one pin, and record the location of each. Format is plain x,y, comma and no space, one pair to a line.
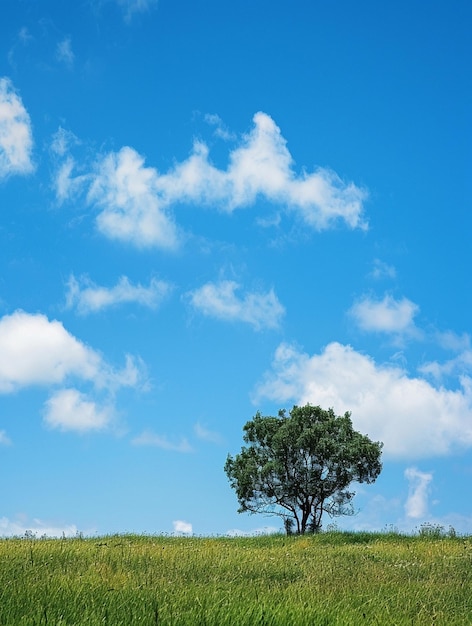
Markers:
329,578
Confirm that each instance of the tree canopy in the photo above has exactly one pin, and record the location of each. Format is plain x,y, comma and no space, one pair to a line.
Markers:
299,466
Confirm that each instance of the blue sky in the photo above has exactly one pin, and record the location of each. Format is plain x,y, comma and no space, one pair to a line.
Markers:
213,208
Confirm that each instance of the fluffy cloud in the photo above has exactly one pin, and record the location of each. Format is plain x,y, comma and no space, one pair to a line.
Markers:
386,316
182,528
148,438
16,140
70,410
260,310
416,505
37,351
87,297
126,191
135,201
263,166
412,417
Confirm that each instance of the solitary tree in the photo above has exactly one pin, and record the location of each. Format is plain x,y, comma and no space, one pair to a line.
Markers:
301,466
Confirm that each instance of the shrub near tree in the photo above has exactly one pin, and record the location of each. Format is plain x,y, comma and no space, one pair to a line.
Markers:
301,465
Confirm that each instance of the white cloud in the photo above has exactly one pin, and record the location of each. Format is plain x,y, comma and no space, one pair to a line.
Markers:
37,351
148,438
87,297
64,52
260,310
387,315
135,201
413,418
62,141
182,528
70,410
132,211
221,130
16,140
38,528
65,185
416,505
4,439
263,166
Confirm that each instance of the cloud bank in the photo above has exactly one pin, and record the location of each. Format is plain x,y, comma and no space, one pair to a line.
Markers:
413,418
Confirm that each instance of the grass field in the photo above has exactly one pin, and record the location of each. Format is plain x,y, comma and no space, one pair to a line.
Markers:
329,578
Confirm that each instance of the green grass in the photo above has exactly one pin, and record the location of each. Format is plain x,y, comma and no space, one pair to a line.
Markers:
326,579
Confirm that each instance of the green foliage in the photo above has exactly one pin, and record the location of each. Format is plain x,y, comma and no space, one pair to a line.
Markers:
331,578
301,466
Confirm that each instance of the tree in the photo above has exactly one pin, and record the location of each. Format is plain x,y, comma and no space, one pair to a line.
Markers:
301,466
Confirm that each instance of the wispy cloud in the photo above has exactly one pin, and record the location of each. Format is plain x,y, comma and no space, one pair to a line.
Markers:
16,139
385,316
459,365
38,528
382,270
220,300
412,417
4,439
22,40
416,505
221,129
207,435
87,297
148,438
131,7
62,141
64,52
